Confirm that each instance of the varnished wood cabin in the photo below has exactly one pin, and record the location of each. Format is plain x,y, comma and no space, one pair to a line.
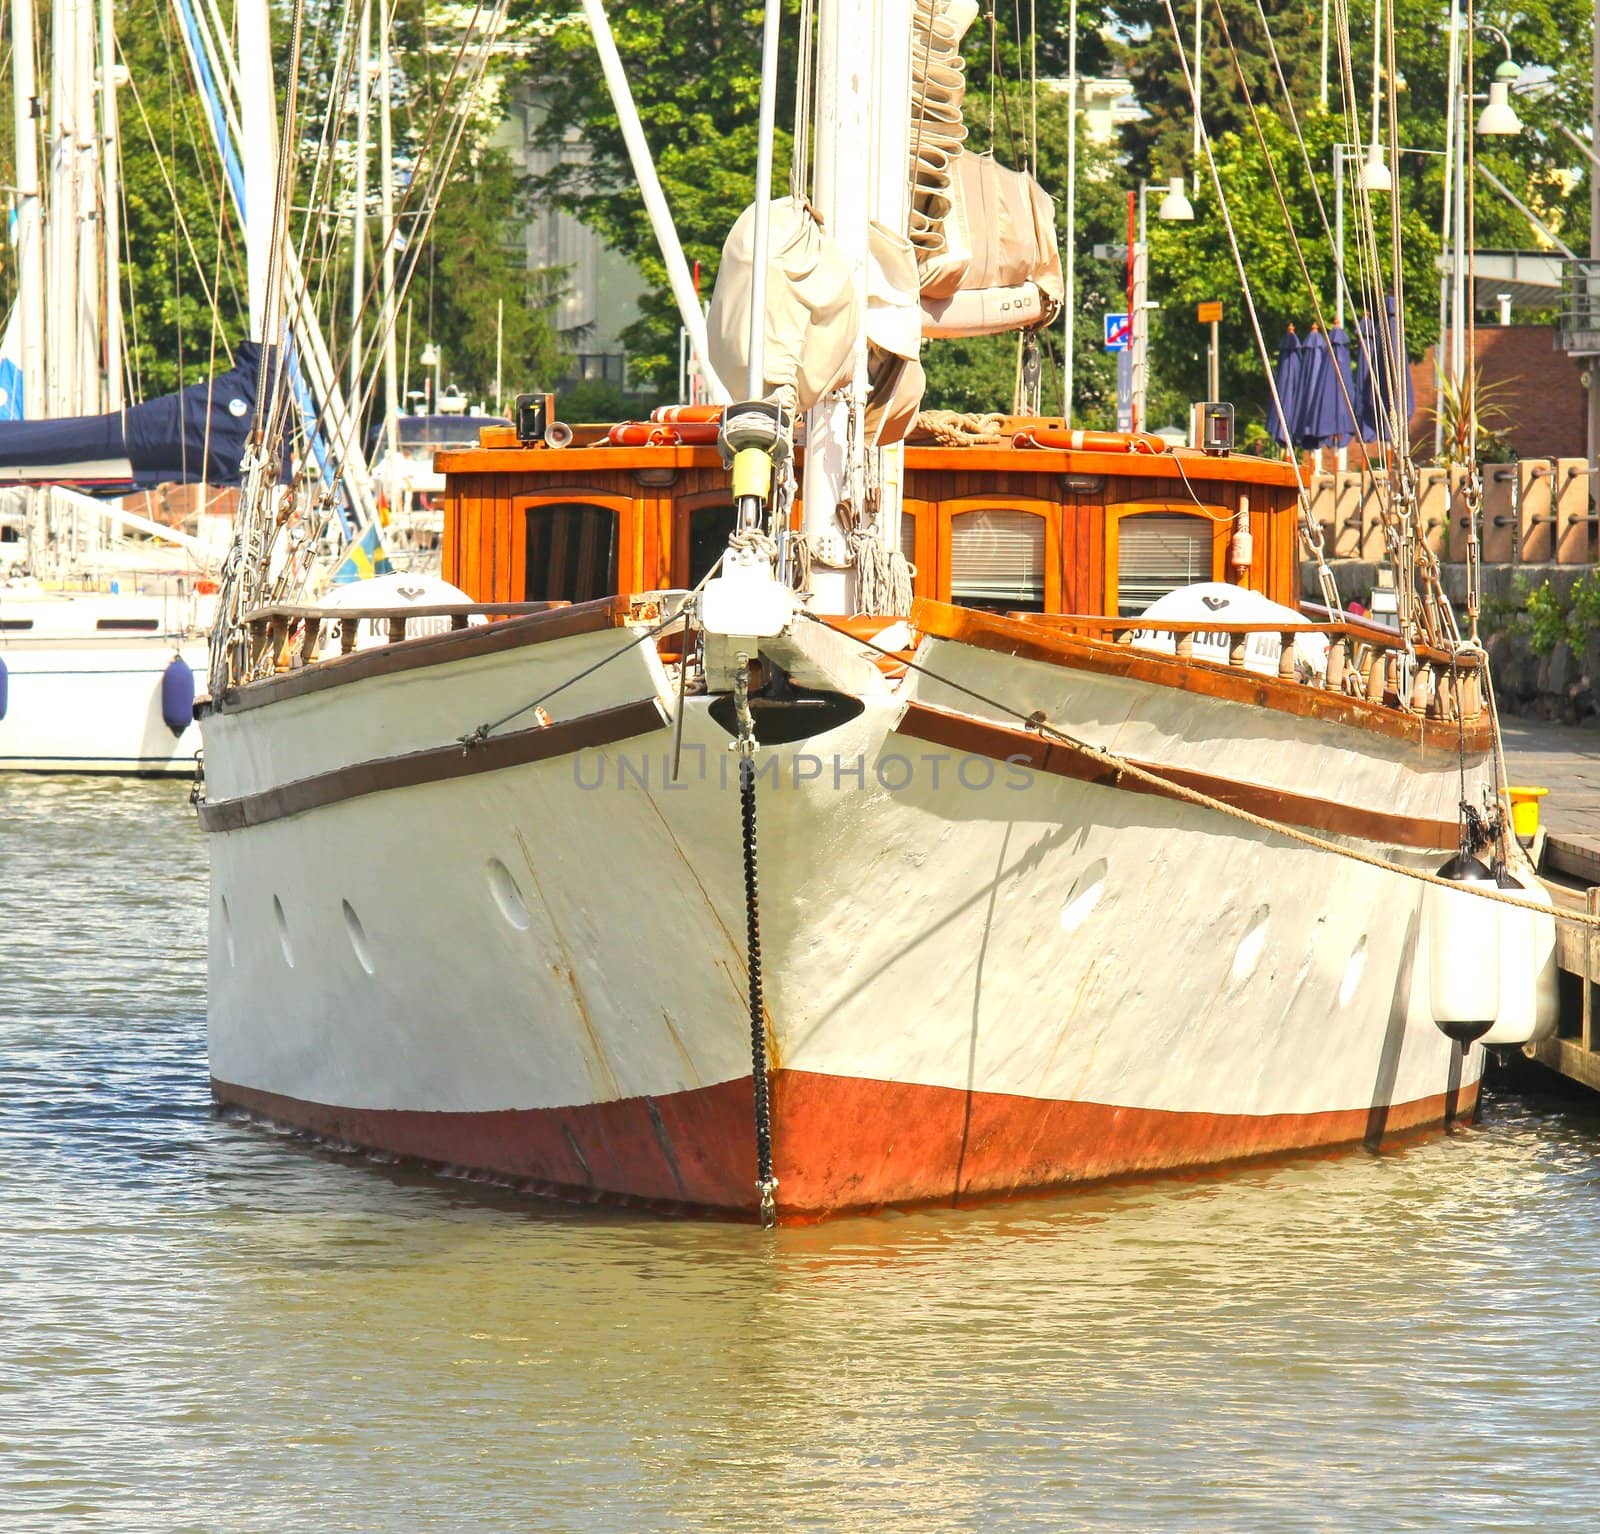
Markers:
1004,529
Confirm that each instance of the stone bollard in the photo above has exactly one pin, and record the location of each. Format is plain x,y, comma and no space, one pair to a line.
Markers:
1321,495
1536,496
1433,508
1347,515
1501,520
1376,490
1575,522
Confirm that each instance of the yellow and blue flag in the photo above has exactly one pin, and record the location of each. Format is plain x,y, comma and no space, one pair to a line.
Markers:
363,559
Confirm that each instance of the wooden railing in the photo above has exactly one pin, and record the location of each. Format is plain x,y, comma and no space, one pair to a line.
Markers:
1364,661
274,630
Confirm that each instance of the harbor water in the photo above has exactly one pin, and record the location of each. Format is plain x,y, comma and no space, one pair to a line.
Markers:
208,1326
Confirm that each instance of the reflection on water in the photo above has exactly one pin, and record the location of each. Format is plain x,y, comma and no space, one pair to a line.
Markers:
207,1326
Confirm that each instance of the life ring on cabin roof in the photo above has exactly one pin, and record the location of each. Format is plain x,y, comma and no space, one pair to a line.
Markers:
673,415
1090,441
652,434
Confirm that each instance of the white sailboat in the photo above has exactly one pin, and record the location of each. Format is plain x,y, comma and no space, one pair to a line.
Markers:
103,616
1083,852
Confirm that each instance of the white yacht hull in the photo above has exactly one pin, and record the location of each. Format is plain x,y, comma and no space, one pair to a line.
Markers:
983,977
94,706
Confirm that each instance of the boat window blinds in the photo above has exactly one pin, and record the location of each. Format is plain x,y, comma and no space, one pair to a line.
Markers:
997,560
1157,554
572,553
908,537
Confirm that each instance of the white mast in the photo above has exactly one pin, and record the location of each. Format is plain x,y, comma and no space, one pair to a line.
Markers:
62,352
111,227
30,210
391,369
852,188
358,246
834,464
86,156
258,153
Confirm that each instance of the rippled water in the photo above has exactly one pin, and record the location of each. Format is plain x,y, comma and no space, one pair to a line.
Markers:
204,1326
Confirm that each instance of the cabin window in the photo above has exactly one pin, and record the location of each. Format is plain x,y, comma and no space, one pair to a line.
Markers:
1158,554
572,553
997,560
710,527
908,536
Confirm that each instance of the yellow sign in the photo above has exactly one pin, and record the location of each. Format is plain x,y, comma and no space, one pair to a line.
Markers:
1209,314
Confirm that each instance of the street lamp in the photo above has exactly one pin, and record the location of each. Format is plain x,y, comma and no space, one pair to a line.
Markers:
1375,175
1175,206
1498,117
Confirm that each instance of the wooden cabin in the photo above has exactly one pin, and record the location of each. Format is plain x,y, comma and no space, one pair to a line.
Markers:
1003,529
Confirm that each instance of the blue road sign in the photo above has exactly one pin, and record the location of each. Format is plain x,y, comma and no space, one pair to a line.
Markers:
1119,333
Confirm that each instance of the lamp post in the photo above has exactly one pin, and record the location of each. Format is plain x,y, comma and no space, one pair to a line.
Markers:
1174,207
1498,118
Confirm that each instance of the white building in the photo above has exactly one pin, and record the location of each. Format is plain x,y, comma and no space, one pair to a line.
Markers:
599,289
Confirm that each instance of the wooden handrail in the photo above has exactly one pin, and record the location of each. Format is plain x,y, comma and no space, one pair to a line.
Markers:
1361,633
384,614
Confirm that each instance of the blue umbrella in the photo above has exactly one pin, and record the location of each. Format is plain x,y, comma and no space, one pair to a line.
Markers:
1288,376
1325,418
1380,347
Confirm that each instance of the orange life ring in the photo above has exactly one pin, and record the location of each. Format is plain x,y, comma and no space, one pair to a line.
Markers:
652,434
1090,441
673,415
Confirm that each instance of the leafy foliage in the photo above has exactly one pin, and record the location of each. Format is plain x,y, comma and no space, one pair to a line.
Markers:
1193,262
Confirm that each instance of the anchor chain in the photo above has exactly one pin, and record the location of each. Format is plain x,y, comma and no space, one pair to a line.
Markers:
745,744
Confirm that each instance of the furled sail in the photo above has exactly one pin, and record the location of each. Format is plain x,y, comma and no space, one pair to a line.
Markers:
811,322
984,235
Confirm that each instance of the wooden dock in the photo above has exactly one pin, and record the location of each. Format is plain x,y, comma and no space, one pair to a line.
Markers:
1566,760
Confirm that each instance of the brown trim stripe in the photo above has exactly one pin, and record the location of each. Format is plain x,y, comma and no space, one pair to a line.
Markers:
430,650
977,737
435,765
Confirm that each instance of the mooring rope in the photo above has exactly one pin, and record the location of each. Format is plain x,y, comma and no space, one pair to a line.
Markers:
1039,724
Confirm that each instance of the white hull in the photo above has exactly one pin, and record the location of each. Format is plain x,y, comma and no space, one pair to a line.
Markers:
83,699
980,978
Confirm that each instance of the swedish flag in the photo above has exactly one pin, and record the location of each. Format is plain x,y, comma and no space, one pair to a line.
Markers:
363,559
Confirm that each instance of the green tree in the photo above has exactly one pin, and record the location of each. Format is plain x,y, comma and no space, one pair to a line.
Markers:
1193,262
694,70
1550,38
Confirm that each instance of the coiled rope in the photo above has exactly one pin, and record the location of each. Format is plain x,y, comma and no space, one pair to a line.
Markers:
953,428
1039,724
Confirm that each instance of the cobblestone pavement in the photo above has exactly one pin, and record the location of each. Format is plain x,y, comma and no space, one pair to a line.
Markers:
1566,760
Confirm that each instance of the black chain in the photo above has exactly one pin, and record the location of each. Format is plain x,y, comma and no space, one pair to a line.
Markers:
765,1181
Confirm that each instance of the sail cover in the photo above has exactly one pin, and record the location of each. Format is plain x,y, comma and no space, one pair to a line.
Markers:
985,236
810,337
198,433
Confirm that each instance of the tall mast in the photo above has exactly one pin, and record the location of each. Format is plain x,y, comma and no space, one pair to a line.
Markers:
62,354
30,210
259,154
391,366
358,238
111,223
855,106
86,157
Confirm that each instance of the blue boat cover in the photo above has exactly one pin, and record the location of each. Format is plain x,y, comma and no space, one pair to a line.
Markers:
199,433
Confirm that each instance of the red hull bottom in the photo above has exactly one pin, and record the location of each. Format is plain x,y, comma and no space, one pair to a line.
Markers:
841,1144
